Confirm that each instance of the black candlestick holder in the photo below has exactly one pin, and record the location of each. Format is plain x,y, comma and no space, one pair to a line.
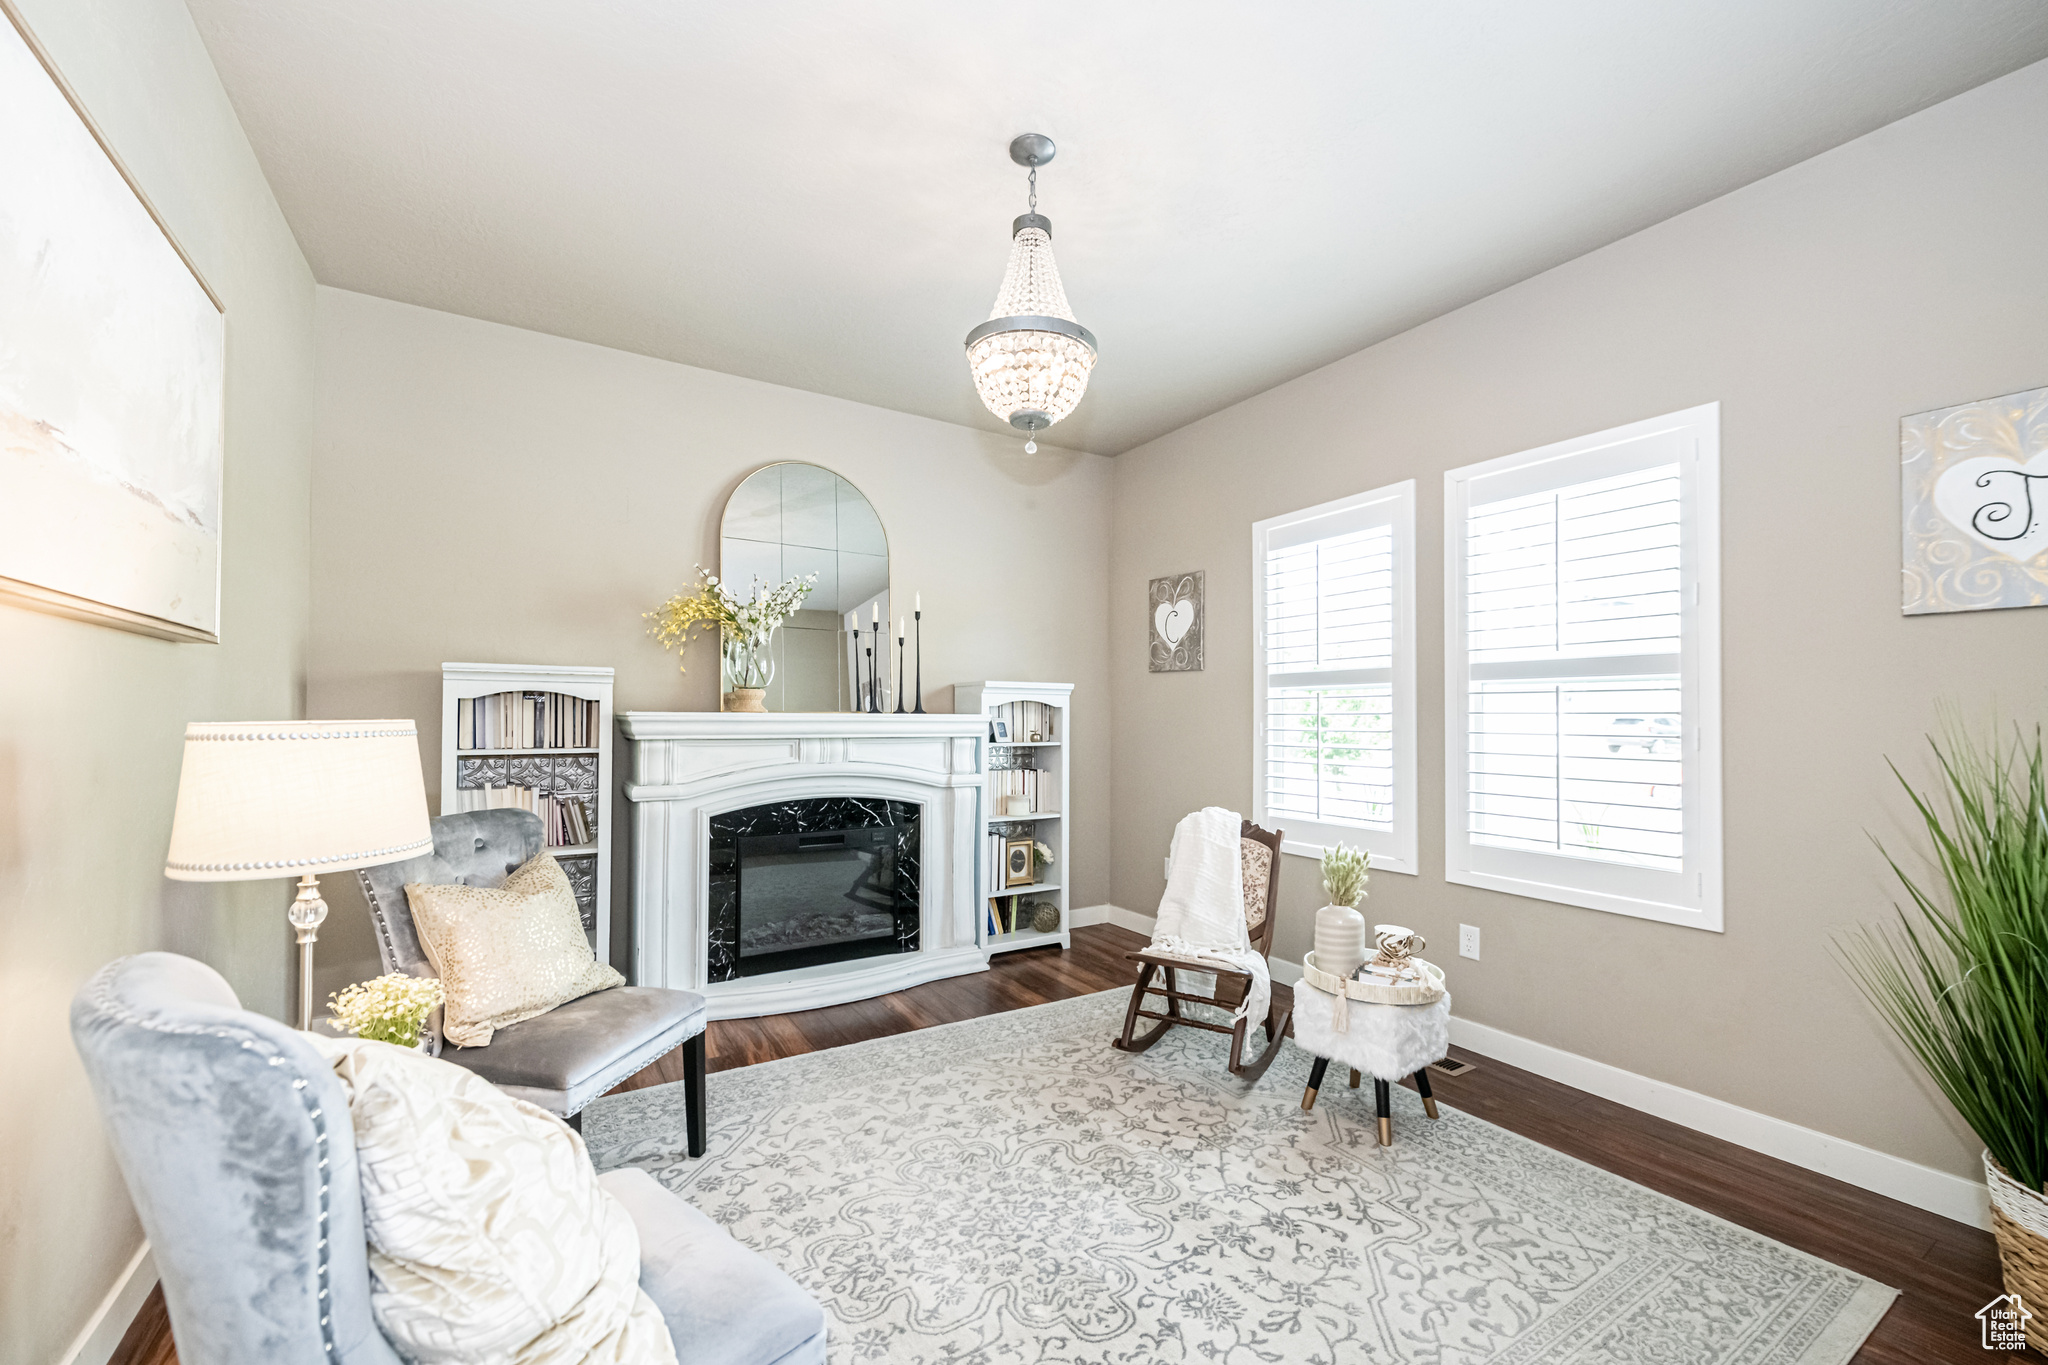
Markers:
875,665
899,675
918,617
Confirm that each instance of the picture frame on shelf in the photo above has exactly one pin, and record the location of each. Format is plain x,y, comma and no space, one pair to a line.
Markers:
1017,869
999,731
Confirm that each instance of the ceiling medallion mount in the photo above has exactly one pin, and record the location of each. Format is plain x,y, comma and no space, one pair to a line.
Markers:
1032,149
1031,359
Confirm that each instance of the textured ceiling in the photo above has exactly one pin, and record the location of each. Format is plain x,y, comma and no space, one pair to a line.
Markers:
816,193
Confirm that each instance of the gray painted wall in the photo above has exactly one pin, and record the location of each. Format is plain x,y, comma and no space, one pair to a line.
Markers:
92,719
484,493
1897,273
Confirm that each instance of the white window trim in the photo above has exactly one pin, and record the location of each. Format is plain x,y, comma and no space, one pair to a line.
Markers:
1690,897
1392,850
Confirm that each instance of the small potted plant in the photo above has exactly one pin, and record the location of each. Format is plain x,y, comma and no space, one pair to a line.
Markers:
390,1009
1963,977
746,630
1041,860
1340,928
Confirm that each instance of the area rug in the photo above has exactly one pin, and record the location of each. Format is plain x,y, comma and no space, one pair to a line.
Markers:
1013,1191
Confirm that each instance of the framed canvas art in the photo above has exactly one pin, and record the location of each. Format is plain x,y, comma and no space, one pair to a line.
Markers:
1173,606
112,378
1974,499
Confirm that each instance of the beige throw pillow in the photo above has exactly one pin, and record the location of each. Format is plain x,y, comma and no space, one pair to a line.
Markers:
491,1241
506,953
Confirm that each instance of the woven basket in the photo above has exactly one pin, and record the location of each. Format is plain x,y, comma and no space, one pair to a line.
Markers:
2019,1220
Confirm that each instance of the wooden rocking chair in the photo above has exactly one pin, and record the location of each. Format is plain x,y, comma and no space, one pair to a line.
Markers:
1260,850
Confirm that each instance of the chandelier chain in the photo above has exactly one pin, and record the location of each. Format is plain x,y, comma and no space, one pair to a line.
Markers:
1034,189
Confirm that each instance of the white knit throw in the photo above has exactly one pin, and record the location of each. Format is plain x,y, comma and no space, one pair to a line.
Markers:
1201,916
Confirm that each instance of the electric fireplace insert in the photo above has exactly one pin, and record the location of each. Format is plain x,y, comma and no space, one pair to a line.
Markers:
801,883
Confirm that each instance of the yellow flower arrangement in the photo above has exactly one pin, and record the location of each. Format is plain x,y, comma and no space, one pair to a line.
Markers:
743,625
390,1009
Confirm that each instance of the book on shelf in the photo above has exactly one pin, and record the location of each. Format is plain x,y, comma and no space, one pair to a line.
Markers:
1035,785
1005,914
998,856
566,821
526,720
1026,718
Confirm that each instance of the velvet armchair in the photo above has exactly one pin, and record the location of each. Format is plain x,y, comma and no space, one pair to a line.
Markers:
234,1137
575,1052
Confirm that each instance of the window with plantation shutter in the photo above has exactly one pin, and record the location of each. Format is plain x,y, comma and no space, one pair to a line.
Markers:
1581,647
1334,676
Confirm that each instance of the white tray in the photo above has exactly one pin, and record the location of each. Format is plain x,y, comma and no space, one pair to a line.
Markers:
1372,992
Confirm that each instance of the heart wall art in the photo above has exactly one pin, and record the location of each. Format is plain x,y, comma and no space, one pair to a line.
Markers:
1174,607
1974,494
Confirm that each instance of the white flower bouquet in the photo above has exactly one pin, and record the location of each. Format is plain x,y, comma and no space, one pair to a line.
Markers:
390,1009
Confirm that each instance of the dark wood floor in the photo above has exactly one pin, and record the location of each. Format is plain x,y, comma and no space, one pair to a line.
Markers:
1945,1271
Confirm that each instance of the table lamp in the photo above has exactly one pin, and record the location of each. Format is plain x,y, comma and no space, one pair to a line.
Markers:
264,799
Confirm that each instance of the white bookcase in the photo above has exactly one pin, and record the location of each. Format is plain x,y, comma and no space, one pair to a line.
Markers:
1047,825
581,770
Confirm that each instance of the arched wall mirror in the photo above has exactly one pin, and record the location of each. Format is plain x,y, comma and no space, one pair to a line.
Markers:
790,519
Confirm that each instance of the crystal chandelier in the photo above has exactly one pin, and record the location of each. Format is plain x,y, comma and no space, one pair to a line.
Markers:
1031,360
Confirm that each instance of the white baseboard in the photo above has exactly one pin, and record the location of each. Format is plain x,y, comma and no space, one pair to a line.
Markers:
1128,919
95,1344
1083,916
1909,1182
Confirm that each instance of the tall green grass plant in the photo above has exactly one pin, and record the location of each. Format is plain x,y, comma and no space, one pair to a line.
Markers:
1963,976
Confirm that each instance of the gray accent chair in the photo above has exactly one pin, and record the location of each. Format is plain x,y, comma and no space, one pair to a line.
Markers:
565,1058
234,1138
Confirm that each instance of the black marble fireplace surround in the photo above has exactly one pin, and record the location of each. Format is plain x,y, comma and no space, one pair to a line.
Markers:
800,883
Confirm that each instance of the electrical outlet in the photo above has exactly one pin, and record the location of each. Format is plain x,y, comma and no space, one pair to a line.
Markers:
1468,941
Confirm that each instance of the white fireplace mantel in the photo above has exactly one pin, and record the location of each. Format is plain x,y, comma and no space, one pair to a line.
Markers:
686,767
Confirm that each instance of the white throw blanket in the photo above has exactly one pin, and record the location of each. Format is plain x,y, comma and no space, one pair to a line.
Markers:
1201,916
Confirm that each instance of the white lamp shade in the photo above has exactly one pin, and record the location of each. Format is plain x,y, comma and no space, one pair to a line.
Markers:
263,799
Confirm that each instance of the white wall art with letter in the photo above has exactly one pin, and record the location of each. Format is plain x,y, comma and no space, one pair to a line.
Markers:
1173,606
111,379
1975,501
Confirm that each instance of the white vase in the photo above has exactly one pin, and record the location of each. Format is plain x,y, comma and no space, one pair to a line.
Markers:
1340,939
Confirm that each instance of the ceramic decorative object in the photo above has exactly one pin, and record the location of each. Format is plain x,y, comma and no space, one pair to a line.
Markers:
1397,941
1340,929
1340,939
1393,975
747,699
1046,917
